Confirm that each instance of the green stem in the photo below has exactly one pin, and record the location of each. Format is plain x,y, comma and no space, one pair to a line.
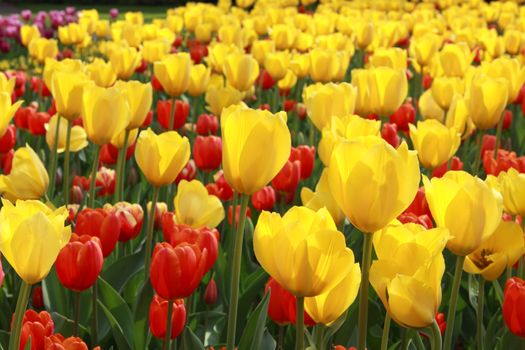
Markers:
236,273
167,340
417,340
386,331
172,114
498,137
481,295
121,166
23,297
453,302
299,325
405,339
94,316
53,162
77,312
435,336
67,155
479,140
363,291
93,177
280,338
521,268
149,232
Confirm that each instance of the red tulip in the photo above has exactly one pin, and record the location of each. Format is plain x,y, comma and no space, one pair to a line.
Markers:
265,80
36,122
79,263
507,119
442,324
237,214
37,297
21,116
147,121
264,199
210,293
113,151
513,306
58,342
405,114
97,223
38,86
36,326
198,52
158,313
503,162
288,178
282,305
288,105
419,205
207,152
176,272
52,110
182,109
155,83
207,124
106,157
76,194
220,188
301,111
306,156
423,220
130,216
488,143
8,140
188,172
389,134
7,161
427,81
456,164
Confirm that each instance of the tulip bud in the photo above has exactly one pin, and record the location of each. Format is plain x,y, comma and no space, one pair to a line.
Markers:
8,141
306,156
389,134
37,297
513,302
164,107
158,313
288,178
97,223
187,173
207,124
130,216
210,293
36,326
264,199
207,152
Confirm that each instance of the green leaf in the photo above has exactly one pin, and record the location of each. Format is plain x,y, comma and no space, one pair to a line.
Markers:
473,290
28,344
250,288
268,343
65,325
190,340
254,330
118,308
55,297
140,317
4,338
131,264
118,333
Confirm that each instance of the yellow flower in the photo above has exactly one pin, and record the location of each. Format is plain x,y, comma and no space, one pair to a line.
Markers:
244,3
161,157
101,73
248,136
362,170
219,98
407,276
155,50
7,85
199,79
345,128
7,111
195,207
434,142
425,48
139,96
67,89
173,73
78,139
319,258
511,70
322,198
105,113
393,57
300,65
72,34
134,17
488,98
283,35
42,48
458,117
288,82
118,140
102,28
445,88
429,108
304,42
131,34
324,65
455,59
512,184
277,63
514,41
466,206
28,178
500,251
364,31
324,101
52,65
261,48
241,71
28,33
31,236
124,61
203,32
230,34
217,54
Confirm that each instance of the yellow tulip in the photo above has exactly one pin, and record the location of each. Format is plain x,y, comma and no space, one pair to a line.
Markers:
175,23
393,57
500,251
244,3
125,61
309,238
161,157
105,113
408,277
203,32
217,54
155,50
494,46
322,198
324,65
199,79
118,140
277,63
28,33
28,178
488,98
195,207
140,97
241,71
102,29
131,34
425,48
445,88
78,137
245,136
300,65
512,184
362,170
514,41
458,116
134,17
231,34
434,142
364,31
466,206
101,73
261,48
511,70
283,35
7,85
345,128
42,48
52,65
219,98
72,34
7,111
288,82
173,73
31,237
329,100
429,108
455,59
67,89
360,81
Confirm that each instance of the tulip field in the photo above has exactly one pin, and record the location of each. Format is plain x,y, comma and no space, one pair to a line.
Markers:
264,174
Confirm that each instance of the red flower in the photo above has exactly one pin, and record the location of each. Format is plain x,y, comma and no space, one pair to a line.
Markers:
182,109
188,172
488,143
39,86
79,263
197,52
288,178
130,217
155,83
36,326
36,122
442,324
37,297
106,179
97,223
456,164
220,188
237,214
288,105
507,119
210,293
427,81
8,140
207,152
282,305
106,157
7,161
147,121
405,114
513,306
58,342
158,313
389,134
306,156
113,151
423,220
503,162
204,238
207,124
419,205
176,272
265,80
264,199
21,116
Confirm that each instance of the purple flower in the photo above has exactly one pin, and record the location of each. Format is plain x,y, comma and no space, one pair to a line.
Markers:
113,13
70,10
26,14
4,46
